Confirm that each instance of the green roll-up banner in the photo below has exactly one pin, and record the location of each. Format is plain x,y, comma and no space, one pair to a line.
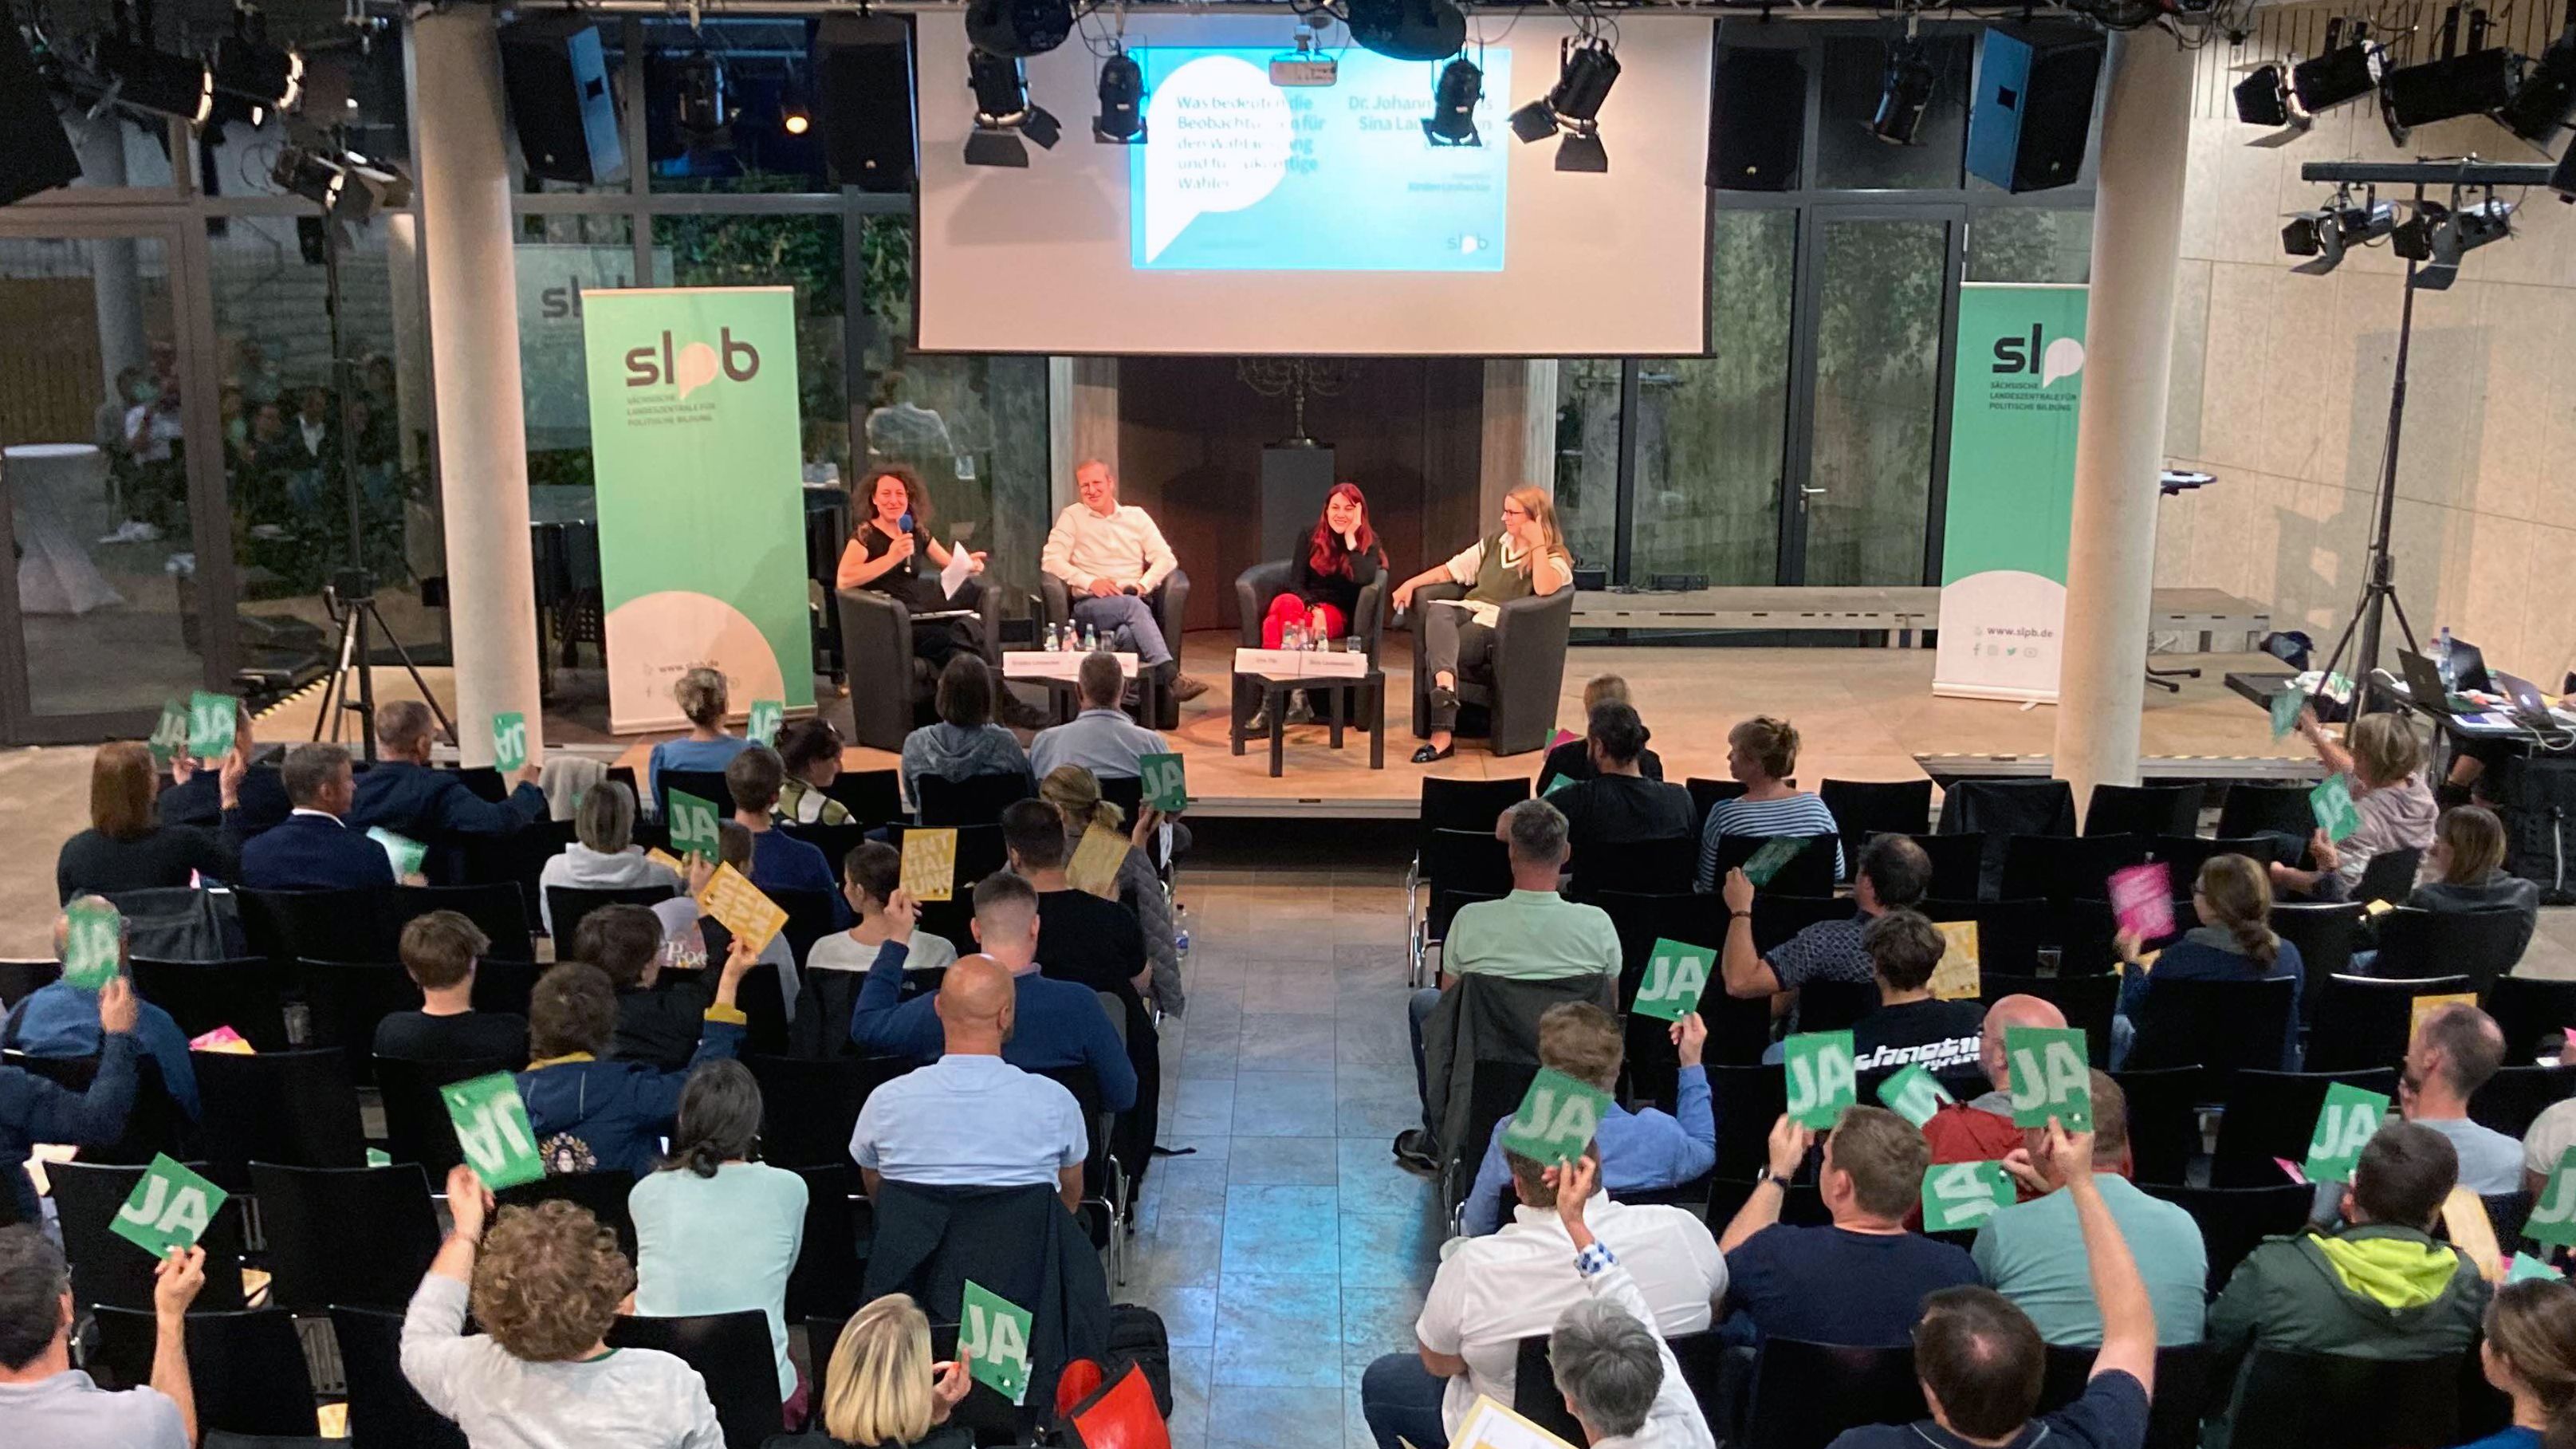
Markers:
2012,490
696,447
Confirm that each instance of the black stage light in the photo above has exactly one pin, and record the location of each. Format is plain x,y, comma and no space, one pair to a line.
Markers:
1452,121
1018,27
349,187
2546,99
2343,73
1003,112
2262,98
2325,235
795,105
2437,236
1584,76
155,80
2563,180
1903,93
2469,84
247,66
1408,29
701,105
1121,121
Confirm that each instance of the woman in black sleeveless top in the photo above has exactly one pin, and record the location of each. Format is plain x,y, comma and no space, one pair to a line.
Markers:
890,553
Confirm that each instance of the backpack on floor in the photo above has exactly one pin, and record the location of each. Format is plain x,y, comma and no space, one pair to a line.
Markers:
1136,1336
2537,798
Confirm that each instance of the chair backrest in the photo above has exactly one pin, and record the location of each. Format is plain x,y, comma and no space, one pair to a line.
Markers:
247,1369
825,1281
971,800
707,785
1456,804
499,909
203,995
354,1235
872,797
348,998
108,1269
351,925
297,1108
2164,1120
2389,875
1746,1101
2184,855
1863,808
2225,1026
810,917
2251,809
2067,867
154,1125
2527,1009
1494,1092
505,985
2481,945
1737,1030
1835,1005
1535,1397
2352,1403
2143,810
19,978
2182,1390
2515,1095
417,1127
2323,931
1869,1386
2234,1220
2365,1022
2272,1115
1660,867
604,1193
732,1352
2088,1001
1809,873
1705,793
835,841
1956,860
809,1108
384,1409
566,905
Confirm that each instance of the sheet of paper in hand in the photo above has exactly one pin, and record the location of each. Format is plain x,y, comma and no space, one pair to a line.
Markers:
1956,978
2344,1126
693,826
170,1208
210,725
1821,1076
1557,1118
762,728
994,1334
2142,900
1489,1425
2331,803
739,907
2049,1077
510,742
1165,789
1774,853
1963,1194
930,863
1096,860
961,567
1915,1094
405,853
1676,975
492,1130
93,942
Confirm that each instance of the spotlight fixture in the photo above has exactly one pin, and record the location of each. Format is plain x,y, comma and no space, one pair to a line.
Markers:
248,67
2325,235
1408,29
1004,113
1904,92
795,105
1586,71
1121,121
349,187
2563,180
1018,28
2342,73
701,106
145,79
1452,121
2436,236
2471,83
2546,99
2263,98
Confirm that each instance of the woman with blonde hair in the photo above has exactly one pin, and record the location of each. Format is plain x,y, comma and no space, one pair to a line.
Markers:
2528,1349
2383,761
1571,763
1074,792
603,855
2233,942
881,1391
2464,871
704,697
1527,557
1762,753
126,847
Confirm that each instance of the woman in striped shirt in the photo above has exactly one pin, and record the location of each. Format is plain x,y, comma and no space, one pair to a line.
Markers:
1763,753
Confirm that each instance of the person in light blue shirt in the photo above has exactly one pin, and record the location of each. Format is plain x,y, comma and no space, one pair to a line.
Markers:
971,1119
701,694
1101,739
61,1020
1640,1151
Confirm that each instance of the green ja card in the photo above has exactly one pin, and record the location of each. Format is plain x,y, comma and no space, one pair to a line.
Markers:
1774,853
1557,1118
1915,1095
1963,1194
2050,1077
492,1130
211,718
1676,975
2331,803
1822,1078
170,1208
1165,789
510,742
2525,1267
765,717
693,826
2344,1126
93,943
2285,710
405,852
2553,1215
169,737
993,1332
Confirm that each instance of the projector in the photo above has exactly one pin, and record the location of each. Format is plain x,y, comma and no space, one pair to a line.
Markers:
1303,70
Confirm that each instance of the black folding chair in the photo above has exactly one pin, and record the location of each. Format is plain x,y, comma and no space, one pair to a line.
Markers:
2389,875
200,996
2010,934
2528,1010
1863,808
2143,810
1808,873
2364,1022
19,978
2184,855
155,1125
2515,1095
2164,1121
1870,1386
505,986
2089,1002
348,998
1957,861
384,1409
1653,867
1706,793
826,1280
603,1193
1460,866
809,1108
2351,1403
350,925
2480,945
499,909
2324,932
1701,1355
108,1269
2271,1115
2235,1220
1835,1005
973,800
2249,809
872,797
1746,1100
732,1352
297,1108
707,785
566,905
247,1369
417,1127
1475,806
2067,867
2182,1390
351,1235
2226,1026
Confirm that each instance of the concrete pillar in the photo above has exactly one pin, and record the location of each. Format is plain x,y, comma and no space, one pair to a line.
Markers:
411,331
2120,437
116,280
1082,418
464,180
1519,433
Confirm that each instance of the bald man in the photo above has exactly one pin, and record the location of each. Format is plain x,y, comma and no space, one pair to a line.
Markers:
1983,1130
971,1119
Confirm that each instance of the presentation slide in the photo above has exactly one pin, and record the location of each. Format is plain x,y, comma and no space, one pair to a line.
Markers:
1319,220
1244,175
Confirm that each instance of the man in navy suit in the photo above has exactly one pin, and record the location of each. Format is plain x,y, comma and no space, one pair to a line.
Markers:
402,793
314,848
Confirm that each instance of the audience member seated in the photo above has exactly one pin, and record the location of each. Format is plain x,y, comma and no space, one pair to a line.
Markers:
1090,941
1893,874
1862,1279
1492,1292
715,1230
315,848
440,951
661,1010
46,1402
604,857
2456,1049
1640,1151
1981,1361
965,742
2547,1139
870,874
405,795
1075,794
2464,871
2379,1287
1101,739
2528,1350
1763,753
2384,763
195,796
1619,805
1981,1129
59,1019
1912,1027
1054,1023
1619,1380
1571,762
127,847
544,1285
809,751
971,1118
34,1109
881,1391
703,697
1526,559
779,861
592,1115
2033,1252
2234,942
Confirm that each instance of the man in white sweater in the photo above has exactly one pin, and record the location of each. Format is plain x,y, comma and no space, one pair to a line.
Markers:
1112,557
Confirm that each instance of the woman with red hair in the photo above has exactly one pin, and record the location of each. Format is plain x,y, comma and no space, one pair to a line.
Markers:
1324,582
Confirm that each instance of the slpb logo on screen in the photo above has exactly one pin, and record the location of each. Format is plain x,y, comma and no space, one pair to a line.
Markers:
692,365
2063,357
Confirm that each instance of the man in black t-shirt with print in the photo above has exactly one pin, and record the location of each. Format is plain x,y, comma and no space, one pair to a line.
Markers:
1911,1026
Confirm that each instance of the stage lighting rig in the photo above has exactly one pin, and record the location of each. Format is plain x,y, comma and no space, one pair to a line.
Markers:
1452,121
2546,99
144,79
2263,97
2342,72
1004,113
248,68
1904,91
1585,72
1018,28
2436,236
348,187
1121,121
1408,29
2325,235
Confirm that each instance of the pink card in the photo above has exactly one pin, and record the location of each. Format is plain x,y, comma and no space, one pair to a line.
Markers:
2292,1168
2142,899
1563,737
221,1039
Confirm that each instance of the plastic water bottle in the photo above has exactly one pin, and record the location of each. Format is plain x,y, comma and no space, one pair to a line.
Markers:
1054,641
1181,933
2442,658
1090,639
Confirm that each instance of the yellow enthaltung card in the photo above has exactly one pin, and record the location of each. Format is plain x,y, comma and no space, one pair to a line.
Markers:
739,907
930,864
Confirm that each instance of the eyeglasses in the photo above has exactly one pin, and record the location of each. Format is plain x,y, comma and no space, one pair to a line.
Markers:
1511,510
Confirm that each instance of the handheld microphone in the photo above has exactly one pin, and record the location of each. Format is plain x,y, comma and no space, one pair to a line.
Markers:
904,524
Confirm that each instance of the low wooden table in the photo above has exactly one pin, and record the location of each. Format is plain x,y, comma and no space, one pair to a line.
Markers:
1275,689
1056,671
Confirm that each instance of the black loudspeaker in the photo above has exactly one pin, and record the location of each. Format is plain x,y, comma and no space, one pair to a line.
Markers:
38,156
863,100
560,99
2033,108
1759,125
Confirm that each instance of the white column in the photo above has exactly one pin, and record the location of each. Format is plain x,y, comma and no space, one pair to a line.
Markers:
1519,432
2120,438
464,183
1082,421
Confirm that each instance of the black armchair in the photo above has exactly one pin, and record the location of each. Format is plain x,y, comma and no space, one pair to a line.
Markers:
1170,603
1256,586
1518,690
876,646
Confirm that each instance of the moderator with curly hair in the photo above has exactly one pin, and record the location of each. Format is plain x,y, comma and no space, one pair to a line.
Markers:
548,1282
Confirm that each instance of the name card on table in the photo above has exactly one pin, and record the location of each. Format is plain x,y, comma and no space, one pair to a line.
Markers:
1301,663
1063,664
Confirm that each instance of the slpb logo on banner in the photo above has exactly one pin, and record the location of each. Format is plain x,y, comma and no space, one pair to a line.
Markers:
692,366
2051,360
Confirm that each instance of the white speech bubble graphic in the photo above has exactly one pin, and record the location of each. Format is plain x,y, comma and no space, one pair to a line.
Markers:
696,367
2065,359
1221,140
